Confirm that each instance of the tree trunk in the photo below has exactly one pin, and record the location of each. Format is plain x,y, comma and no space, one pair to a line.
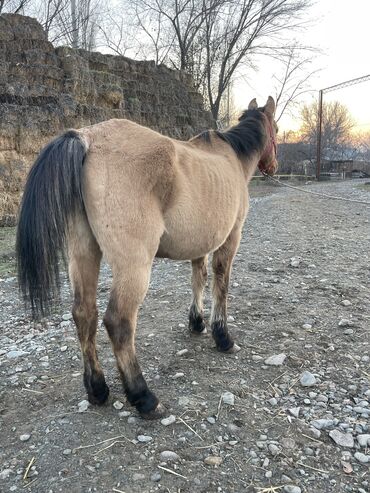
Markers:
74,24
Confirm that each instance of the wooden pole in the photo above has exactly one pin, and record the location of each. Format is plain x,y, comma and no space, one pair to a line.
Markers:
319,132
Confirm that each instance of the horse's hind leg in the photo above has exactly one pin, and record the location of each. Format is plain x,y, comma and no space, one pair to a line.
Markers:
198,282
131,273
84,263
221,264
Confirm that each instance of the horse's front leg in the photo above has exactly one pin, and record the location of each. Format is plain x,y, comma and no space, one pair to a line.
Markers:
198,282
221,264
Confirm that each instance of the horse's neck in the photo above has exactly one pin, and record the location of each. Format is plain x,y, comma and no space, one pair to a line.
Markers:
249,165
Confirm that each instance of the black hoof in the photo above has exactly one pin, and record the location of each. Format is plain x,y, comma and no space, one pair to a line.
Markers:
197,324
156,413
224,342
146,403
100,398
97,390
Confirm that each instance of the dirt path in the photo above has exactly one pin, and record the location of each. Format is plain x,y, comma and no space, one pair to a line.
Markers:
300,288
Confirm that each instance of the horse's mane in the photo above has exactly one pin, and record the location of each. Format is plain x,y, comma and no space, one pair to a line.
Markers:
246,137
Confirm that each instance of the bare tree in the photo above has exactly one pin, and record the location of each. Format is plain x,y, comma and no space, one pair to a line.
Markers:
294,80
213,39
70,22
13,6
236,32
336,128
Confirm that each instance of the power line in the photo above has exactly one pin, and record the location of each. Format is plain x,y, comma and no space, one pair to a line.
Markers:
341,85
347,83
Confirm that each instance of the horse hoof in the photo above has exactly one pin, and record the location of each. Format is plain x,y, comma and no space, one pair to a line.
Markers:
157,413
100,397
234,349
203,332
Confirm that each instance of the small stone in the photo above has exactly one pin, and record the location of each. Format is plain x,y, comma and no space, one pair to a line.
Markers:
307,326
117,405
182,352
156,476
228,398
131,420
5,473
230,319
124,414
348,332
182,326
256,357
268,474
347,467
346,303
63,349
322,424
288,443
169,456
168,421
144,438
291,488
344,322
272,401
15,354
364,459
178,375
213,460
25,437
183,401
294,262
363,440
342,439
137,476
294,411
67,451
67,316
274,449
307,379
275,360
83,406
211,420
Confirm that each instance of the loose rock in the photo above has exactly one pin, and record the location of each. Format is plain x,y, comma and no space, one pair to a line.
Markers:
117,405
144,438
213,460
342,439
364,459
228,398
169,456
307,379
168,421
275,360
83,406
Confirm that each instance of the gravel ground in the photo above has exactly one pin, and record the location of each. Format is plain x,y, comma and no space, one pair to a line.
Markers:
289,413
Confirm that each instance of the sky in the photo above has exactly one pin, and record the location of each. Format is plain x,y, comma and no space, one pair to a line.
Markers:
340,29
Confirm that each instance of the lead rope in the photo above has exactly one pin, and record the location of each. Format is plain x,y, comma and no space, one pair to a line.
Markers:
323,195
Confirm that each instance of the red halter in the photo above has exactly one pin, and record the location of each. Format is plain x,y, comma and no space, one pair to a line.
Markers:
271,145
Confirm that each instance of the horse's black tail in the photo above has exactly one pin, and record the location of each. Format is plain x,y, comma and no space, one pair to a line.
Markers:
52,195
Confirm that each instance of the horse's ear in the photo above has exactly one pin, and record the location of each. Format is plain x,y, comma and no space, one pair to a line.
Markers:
253,104
270,106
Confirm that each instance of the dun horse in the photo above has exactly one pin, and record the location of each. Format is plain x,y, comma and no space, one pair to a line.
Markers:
122,191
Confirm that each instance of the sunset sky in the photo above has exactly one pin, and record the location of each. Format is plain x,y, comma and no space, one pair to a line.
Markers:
341,30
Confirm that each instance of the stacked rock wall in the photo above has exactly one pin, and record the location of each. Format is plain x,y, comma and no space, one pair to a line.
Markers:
44,90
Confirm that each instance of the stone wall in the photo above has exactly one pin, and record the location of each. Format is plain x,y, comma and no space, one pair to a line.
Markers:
44,90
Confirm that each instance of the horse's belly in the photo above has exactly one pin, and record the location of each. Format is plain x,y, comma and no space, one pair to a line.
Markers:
186,242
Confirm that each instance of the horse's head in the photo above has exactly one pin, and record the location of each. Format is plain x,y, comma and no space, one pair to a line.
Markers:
268,162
